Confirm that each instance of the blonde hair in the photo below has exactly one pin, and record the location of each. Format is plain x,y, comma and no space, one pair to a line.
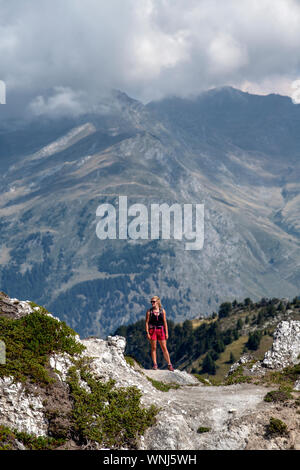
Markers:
155,297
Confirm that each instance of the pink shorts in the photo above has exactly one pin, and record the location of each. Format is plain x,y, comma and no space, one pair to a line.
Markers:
157,333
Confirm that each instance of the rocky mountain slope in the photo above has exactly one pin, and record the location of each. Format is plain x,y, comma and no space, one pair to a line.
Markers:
62,403
234,152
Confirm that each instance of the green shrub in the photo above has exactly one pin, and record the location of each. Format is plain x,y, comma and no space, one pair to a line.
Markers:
238,377
202,429
276,427
6,438
38,443
286,377
277,396
30,340
31,442
106,414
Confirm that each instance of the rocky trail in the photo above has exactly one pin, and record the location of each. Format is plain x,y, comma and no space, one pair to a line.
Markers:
193,415
218,410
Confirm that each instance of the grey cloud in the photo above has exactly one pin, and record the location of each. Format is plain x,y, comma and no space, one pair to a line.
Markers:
148,48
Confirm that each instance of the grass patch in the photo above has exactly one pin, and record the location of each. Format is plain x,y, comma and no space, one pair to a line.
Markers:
223,363
264,345
161,385
236,348
129,360
202,379
198,322
132,361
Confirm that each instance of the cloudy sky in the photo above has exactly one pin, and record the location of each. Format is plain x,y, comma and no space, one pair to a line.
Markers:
147,48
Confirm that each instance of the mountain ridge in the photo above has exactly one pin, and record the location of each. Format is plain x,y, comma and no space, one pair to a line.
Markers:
48,214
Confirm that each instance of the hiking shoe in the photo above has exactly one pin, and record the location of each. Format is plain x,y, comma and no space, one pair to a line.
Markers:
170,367
155,367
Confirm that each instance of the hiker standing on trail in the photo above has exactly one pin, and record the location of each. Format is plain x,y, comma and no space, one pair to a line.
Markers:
157,329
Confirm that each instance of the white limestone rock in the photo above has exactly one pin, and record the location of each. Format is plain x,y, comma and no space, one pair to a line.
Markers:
21,410
178,377
285,350
297,386
23,307
172,432
60,363
242,360
109,363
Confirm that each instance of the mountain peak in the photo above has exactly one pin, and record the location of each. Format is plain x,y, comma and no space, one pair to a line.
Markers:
122,97
225,89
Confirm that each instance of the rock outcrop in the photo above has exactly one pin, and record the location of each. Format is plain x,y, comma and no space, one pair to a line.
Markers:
13,308
22,410
285,350
191,415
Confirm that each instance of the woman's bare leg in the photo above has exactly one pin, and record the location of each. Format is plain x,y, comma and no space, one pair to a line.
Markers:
163,345
153,350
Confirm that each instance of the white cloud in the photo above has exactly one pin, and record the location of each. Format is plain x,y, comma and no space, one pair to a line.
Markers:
157,51
64,101
148,48
225,54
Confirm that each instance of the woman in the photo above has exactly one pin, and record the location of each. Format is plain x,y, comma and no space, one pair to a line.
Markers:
157,329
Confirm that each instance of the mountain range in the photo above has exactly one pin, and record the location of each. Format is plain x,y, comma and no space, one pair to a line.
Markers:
235,153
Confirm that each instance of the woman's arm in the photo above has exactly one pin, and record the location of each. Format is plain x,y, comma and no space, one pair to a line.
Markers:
165,324
147,323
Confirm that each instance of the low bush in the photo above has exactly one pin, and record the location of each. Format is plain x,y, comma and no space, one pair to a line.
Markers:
238,377
31,442
111,416
277,396
30,340
202,429
276,427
